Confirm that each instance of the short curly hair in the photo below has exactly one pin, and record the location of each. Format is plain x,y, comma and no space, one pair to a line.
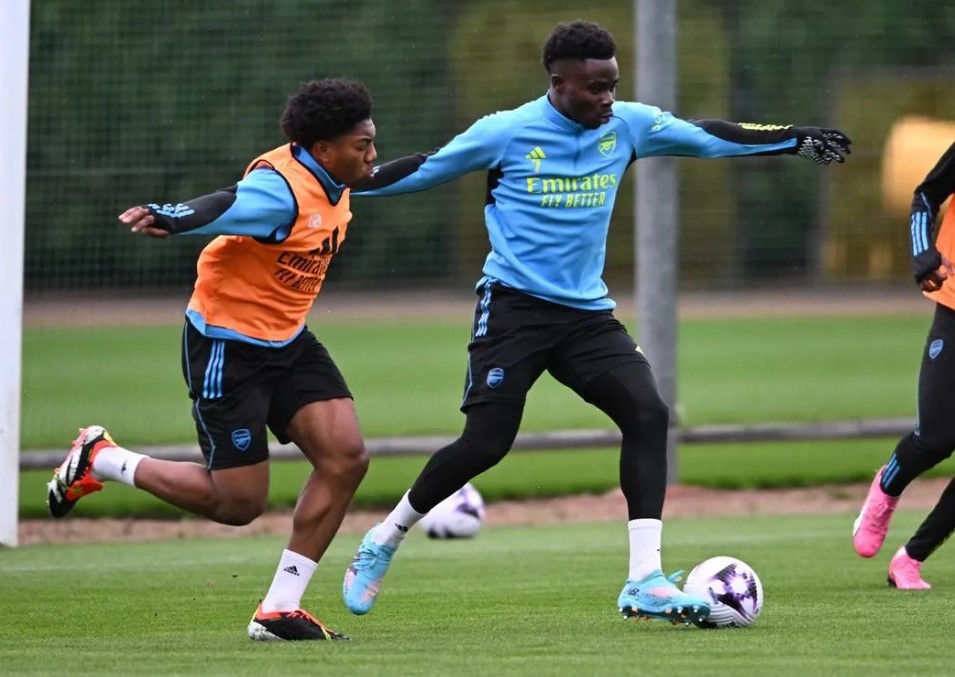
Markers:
578,40
321,110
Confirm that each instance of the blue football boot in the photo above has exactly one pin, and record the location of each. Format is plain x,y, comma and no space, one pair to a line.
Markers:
657,596
363,578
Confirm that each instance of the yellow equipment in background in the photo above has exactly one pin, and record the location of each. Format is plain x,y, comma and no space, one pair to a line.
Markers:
912,148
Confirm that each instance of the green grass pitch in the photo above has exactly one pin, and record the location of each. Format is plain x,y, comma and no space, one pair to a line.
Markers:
515,601
407,377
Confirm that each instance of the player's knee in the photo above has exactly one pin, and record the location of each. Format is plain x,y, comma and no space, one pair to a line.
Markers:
483,451
348,460
651,419
491,457
239,513
489,434
237,496
655,413
354,460
487,449
236,508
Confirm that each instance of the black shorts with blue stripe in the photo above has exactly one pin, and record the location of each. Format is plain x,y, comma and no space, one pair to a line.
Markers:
516,337
238,390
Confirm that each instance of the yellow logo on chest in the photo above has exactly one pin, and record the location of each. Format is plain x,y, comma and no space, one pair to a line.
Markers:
536,156
607,143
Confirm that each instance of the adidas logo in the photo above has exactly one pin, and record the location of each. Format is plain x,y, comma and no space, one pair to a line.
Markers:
536,156
176,211
291,570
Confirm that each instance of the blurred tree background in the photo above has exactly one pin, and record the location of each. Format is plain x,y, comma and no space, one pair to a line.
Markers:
138,101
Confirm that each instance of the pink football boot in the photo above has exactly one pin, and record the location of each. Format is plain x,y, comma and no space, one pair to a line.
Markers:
871,525
904,572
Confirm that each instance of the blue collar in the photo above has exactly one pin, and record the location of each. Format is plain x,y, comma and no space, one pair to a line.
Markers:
560,120
332,187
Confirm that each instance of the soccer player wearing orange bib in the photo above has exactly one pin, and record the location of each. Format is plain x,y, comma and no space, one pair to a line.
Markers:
248,359
933,439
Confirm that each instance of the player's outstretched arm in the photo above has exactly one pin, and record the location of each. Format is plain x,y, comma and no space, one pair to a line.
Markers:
720,138
660,133
478,147
259,206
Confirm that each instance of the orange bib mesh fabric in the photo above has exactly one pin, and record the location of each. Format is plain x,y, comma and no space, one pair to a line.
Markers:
265,291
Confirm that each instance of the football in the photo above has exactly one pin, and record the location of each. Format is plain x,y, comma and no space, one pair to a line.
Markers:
732,589
460,515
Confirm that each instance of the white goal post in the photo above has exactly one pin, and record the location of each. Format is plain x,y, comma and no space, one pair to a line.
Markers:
15,55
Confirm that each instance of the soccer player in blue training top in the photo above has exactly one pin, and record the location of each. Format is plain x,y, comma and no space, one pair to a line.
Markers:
933,439
554,166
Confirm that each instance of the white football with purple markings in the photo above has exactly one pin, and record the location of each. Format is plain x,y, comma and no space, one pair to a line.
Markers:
732,589
460,515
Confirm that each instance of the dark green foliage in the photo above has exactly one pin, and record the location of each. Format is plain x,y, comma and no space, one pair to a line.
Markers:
134,102
142,101
794,63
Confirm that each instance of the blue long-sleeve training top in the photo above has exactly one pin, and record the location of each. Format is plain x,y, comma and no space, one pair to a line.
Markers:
552,184
260,205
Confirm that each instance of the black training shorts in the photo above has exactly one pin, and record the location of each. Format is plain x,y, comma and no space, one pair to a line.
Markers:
237,389
516,337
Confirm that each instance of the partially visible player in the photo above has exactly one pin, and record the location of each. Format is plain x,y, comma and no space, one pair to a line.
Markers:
554,167
933,438
248,359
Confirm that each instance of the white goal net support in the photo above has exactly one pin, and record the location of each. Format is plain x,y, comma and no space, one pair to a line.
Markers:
14,53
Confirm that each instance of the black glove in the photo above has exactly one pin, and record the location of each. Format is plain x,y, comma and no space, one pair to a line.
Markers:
822,146
925,264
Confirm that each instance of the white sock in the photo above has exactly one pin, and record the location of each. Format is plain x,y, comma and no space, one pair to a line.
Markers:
117,464
291,578
645,537
395,527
